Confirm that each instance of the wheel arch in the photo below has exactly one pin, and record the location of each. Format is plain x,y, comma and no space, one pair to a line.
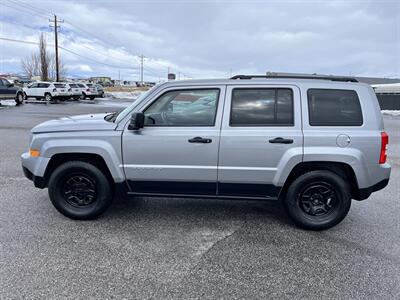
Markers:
95,159
341,169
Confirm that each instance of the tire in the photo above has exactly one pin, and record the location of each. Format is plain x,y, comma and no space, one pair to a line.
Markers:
92,97
318,200
89,190
48,97
19,99
76,98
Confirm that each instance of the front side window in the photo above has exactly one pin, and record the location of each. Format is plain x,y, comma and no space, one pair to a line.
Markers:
262,107
195,107
330,107
33,85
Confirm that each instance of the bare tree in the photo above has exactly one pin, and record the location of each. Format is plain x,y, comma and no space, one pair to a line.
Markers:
31,65
44,58
52,67
43,64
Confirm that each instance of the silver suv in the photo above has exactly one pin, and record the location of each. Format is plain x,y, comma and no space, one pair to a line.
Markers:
313,143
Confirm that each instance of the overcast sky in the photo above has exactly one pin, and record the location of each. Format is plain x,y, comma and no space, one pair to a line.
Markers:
203,39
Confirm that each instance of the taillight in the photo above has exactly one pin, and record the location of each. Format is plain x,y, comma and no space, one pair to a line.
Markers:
54,90
384,145
88,90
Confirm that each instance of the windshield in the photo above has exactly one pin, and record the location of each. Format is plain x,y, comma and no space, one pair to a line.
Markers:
119,116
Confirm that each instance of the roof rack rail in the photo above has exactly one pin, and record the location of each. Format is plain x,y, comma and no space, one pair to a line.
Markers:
313,76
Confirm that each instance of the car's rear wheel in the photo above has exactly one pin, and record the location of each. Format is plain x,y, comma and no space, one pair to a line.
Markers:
48,97
318,200
80,190
76,98
19,99
92,97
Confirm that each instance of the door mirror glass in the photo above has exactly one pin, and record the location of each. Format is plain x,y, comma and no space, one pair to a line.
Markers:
137,121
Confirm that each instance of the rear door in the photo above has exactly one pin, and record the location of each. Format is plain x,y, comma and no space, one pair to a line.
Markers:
261,139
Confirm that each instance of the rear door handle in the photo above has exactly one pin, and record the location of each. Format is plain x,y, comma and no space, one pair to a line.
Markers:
199,139
280,140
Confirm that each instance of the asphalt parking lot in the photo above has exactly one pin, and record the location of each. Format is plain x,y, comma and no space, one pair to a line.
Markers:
186,248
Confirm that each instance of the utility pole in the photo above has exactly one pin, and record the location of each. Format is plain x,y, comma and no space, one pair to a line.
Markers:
141,68
56,26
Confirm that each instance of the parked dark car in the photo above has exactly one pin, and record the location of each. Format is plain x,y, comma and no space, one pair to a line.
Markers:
9,91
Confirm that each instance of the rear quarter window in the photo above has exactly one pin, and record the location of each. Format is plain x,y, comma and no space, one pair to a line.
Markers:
332,107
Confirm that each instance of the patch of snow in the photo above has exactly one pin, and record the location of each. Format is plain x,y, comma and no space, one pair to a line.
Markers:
394,113
123,95
7,102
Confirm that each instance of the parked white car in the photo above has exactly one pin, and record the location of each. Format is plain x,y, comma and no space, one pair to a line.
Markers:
89,90
74,90
46,90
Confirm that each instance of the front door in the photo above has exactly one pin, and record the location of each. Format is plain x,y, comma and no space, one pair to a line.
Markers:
261,139
177,150
32,90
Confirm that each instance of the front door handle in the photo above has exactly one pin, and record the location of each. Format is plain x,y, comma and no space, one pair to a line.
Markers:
280,140
199,139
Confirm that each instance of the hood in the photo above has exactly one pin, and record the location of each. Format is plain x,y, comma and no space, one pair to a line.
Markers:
75,123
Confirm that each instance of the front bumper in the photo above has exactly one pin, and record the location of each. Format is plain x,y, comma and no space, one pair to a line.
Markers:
38,181
34,169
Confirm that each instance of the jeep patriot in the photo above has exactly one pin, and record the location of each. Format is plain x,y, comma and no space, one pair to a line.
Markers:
312,142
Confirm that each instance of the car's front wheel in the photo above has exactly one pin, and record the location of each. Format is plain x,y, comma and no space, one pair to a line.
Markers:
318,200
80,190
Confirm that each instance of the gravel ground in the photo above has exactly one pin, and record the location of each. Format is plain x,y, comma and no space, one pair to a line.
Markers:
186,248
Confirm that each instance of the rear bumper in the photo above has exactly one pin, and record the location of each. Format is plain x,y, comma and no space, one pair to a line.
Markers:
364,193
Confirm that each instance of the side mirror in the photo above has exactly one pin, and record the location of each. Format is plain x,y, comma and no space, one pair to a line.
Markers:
137,121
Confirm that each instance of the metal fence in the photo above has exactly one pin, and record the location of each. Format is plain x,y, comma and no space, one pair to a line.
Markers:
389,101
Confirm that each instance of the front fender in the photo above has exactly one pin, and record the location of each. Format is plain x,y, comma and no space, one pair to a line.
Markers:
90,146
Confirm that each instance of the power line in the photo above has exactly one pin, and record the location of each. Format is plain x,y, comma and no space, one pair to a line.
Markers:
22,9
32,8
67,50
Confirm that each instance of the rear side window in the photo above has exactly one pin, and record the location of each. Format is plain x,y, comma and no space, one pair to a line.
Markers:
262,107
43,85
329,107
59,85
